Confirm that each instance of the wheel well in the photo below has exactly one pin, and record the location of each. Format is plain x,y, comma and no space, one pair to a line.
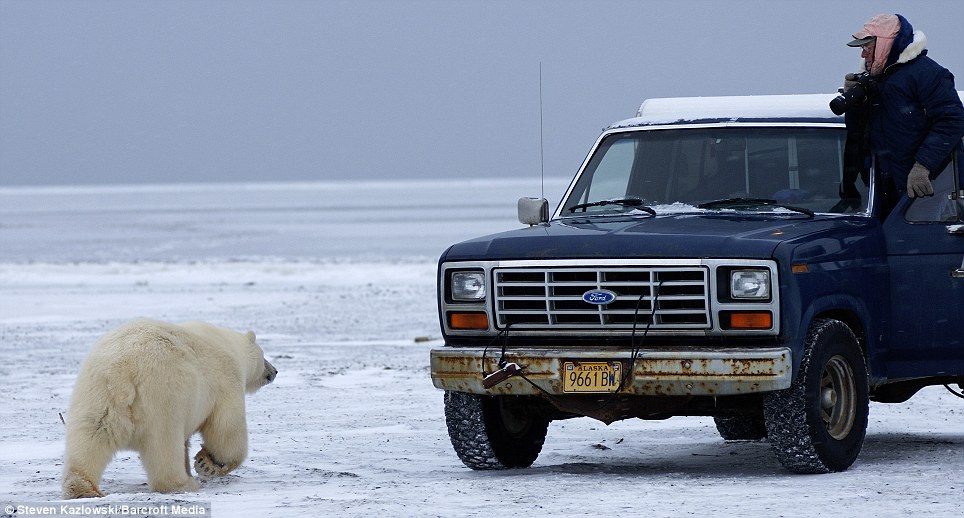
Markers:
852,321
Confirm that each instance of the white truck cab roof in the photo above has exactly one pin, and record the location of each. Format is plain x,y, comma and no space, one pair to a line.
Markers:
743,107
799,107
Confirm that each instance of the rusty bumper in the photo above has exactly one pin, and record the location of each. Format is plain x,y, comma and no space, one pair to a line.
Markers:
677,372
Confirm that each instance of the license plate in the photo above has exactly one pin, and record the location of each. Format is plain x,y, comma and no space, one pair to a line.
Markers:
598,377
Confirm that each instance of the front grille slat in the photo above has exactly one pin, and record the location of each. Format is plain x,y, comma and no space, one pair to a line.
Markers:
551,298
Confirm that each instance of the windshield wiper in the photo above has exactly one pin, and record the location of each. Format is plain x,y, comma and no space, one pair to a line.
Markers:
750,202
626,202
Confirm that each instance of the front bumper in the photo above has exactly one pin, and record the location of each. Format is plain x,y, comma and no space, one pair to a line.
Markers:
656,372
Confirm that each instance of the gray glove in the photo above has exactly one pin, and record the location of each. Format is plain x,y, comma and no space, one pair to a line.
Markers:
919,182
849,81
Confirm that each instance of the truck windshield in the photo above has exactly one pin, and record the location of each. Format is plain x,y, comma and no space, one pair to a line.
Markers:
676,170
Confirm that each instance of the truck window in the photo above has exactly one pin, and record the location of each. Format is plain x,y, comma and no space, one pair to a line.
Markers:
610,174
686,167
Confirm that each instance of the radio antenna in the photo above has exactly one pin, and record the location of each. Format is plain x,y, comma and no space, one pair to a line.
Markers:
542,153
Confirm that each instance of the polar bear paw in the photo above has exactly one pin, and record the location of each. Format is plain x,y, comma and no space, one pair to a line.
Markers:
78,485
206,466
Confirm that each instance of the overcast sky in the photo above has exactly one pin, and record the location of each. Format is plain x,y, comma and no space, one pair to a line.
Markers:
111,91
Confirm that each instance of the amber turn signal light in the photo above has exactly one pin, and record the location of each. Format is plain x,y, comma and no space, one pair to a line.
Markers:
468,321
748,320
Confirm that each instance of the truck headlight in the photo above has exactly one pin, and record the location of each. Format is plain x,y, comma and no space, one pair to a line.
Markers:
468,286
750,284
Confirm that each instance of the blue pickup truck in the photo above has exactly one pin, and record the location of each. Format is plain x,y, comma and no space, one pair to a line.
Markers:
711,257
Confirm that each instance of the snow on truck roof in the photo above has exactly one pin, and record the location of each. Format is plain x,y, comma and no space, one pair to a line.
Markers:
743,107
799,107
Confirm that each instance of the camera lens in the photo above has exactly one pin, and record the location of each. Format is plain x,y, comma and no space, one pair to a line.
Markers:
838,105
848,99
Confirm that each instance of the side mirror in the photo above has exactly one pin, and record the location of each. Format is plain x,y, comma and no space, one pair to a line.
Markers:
533,211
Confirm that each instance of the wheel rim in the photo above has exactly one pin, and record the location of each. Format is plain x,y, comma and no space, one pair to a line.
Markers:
516,423
838,397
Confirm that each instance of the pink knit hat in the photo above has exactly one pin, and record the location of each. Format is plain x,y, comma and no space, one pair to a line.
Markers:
883,28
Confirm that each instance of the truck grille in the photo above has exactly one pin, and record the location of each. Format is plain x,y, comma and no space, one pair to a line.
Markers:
552,298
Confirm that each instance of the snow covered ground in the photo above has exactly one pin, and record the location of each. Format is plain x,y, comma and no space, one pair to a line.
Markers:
338,281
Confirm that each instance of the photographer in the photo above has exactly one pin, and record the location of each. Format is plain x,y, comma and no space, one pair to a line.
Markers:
905,102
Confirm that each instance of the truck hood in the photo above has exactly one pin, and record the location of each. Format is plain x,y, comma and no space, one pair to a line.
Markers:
750,236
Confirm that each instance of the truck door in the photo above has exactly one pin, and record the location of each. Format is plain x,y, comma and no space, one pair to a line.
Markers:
925,248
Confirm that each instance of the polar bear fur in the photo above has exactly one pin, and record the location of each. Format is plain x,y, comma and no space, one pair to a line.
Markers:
148,386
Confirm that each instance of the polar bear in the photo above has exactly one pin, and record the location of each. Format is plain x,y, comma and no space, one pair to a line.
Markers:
148,386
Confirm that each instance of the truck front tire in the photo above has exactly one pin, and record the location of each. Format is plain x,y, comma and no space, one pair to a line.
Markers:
493,432
818,424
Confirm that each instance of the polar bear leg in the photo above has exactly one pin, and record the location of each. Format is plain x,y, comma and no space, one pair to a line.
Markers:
83,469
225,435
165,473
187,458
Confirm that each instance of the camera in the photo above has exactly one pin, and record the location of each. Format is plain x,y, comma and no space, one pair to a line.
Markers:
854,96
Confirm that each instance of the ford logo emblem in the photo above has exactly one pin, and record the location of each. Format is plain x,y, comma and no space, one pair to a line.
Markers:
599,297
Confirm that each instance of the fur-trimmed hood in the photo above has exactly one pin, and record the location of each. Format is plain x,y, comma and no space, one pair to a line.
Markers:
908,44
917,47
897,41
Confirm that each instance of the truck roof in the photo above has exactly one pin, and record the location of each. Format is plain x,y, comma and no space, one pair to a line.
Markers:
775,108
804,107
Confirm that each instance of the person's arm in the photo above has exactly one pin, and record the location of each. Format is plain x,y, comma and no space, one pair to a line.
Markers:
945,114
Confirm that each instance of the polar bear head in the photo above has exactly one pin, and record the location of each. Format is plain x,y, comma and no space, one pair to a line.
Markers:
261,372
238,349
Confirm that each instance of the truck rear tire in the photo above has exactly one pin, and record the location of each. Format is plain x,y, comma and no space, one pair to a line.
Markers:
818,424
741,428
494,432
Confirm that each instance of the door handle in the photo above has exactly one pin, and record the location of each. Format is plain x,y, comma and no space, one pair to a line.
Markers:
955,229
